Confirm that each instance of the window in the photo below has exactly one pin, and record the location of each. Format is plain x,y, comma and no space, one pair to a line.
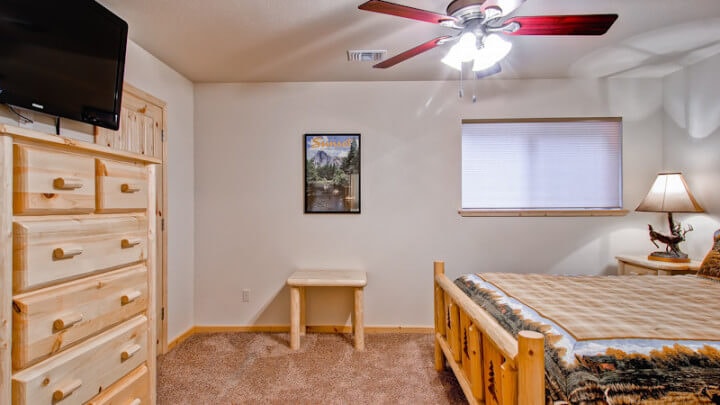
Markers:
542,165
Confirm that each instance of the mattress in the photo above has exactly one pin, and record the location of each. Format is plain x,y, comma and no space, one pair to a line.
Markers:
614,340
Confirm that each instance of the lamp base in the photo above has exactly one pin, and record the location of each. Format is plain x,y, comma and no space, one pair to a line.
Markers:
668,257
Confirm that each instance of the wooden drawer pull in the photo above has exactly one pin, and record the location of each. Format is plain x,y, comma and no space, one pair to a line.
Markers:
67,321
129,352
128,243
129,188
65,391
67,252
130,297
67,183
135,401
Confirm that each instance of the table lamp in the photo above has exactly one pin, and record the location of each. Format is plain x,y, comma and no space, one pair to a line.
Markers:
669,193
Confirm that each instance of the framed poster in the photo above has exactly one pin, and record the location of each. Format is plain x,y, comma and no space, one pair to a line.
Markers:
332,173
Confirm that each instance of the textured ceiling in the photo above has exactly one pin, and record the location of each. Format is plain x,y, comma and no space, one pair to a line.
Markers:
302,40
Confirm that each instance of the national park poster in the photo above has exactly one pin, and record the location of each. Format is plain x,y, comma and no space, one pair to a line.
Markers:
332,173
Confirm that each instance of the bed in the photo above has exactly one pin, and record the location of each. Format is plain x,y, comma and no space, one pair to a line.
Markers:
627,340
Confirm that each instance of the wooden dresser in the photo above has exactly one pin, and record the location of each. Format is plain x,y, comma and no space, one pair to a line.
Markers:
77,272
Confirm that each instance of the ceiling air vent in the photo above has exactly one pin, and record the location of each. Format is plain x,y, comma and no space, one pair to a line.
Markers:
365,56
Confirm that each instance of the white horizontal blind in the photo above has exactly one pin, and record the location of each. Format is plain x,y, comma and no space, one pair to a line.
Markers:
546,164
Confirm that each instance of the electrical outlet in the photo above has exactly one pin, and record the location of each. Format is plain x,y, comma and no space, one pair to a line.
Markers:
246,295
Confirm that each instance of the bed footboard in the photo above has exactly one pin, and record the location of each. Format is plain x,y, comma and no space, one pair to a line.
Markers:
491,366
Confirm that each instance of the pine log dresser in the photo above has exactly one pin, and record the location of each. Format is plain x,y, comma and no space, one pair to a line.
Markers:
77,272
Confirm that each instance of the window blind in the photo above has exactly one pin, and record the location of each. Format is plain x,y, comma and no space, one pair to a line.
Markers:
565,164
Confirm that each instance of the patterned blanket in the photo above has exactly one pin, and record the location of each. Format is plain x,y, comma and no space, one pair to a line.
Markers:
645,340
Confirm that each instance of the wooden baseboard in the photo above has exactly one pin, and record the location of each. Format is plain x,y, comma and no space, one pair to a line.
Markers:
171,345
399,329
286,329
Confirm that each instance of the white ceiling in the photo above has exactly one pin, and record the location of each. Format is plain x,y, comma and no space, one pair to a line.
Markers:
307,40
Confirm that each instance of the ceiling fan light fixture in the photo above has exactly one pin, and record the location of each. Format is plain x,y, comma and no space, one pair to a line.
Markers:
466,48
463,51
493,51
453,60
480,63
483,18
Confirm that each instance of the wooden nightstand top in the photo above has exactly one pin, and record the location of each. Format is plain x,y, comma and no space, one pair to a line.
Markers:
643,261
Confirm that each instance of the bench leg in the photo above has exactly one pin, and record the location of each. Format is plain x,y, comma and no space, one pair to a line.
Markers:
294,318
358,322
303,325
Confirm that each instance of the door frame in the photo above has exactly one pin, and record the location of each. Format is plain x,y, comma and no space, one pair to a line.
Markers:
102,136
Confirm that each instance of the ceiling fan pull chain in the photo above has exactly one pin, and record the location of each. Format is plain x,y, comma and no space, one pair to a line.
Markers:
475,87
460,91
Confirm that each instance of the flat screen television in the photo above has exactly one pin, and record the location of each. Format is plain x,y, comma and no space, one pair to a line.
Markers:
64,58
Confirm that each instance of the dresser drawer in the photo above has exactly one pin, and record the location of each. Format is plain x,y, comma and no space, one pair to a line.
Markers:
133,389
48,251
49,320
121,187
47,182
81,372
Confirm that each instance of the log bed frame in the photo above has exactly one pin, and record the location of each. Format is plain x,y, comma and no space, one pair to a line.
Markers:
491,365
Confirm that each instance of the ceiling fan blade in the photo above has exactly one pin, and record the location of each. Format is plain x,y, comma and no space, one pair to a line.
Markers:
582,24
380,6
492,70
411,52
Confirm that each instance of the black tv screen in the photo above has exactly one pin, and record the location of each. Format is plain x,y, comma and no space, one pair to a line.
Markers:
64,58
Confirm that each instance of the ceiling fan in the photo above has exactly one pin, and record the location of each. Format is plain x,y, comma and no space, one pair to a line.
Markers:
482,23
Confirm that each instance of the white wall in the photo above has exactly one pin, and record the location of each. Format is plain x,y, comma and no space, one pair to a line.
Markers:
149,74
691,143
251,232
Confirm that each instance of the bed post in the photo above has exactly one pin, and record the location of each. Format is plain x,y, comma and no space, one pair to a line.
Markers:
439,269
531,368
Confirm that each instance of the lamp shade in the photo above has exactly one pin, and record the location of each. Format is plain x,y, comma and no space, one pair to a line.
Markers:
669,193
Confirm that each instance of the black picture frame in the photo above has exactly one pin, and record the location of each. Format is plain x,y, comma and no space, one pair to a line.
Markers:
332,173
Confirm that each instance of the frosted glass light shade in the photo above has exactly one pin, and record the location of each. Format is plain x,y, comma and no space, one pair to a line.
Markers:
463,51
669,193
452,60
466,47
493,51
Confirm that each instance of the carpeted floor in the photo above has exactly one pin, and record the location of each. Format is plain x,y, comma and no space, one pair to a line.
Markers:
260,368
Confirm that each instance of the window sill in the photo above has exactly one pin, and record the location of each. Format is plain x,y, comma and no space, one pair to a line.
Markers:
543,213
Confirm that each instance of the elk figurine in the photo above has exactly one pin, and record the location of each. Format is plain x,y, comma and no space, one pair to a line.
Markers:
672,241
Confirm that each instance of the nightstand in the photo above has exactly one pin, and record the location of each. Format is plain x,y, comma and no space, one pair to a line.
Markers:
640,265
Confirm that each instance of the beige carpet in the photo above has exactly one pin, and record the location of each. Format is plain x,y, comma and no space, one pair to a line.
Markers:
260,368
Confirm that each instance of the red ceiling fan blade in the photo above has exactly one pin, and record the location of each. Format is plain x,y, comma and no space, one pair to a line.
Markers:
583,24
380,6
411,52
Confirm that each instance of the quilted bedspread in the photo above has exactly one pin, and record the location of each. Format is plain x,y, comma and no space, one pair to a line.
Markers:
614,340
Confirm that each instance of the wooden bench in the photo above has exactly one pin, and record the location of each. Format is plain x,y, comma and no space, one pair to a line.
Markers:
325,278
